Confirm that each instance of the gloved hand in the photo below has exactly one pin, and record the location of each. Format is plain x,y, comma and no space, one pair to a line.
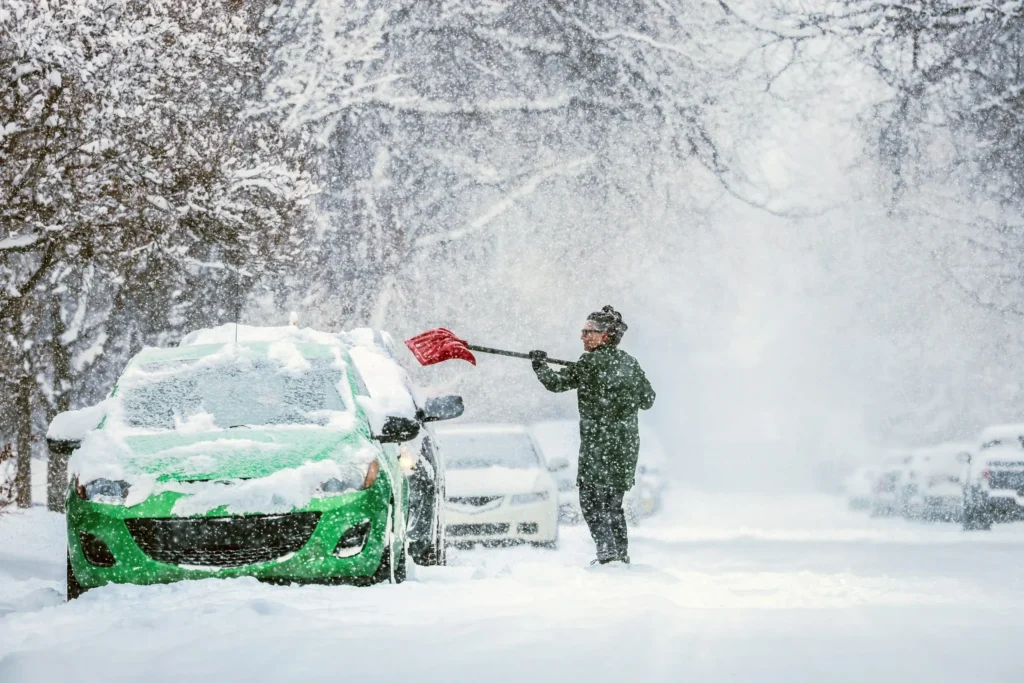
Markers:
539,358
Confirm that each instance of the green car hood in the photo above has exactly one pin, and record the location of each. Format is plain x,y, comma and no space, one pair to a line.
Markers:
239,454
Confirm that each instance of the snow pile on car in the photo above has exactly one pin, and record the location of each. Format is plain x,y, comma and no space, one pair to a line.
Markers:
277,493
372,351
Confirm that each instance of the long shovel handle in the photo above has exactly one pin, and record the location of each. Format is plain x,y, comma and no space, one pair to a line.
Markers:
513,354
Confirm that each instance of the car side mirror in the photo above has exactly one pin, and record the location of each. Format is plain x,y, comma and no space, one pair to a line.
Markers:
398,429
963,458
71,426
437,408
62,446
558,464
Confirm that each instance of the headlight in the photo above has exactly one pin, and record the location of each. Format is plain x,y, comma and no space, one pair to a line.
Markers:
407,459
354,477
527,498
110,492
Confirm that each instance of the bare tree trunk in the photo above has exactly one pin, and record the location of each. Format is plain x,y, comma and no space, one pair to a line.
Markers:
57,462
23,476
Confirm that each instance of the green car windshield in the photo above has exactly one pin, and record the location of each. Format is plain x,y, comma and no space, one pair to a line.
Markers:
256,392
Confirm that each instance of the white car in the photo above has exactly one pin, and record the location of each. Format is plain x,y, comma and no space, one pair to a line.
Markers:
994,478
560,442
499,489
933,488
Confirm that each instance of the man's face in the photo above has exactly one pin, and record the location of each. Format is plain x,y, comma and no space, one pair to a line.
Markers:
592,337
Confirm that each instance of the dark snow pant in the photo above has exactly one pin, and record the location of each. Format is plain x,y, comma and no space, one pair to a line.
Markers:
602,508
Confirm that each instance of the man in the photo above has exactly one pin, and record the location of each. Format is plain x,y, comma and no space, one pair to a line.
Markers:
611,389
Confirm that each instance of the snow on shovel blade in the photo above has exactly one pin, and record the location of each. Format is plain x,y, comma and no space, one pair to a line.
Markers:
436,346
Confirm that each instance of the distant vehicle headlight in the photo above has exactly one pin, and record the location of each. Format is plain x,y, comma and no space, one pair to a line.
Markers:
354,477
108,491
527,498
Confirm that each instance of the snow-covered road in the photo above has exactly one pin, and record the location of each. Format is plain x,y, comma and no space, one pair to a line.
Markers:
723,588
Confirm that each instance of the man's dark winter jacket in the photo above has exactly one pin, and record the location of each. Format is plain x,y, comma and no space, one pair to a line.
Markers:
611,389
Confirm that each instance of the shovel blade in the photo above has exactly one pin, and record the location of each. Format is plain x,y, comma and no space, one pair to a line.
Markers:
437,346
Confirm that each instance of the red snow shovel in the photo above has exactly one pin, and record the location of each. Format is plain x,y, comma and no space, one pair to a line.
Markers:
436,346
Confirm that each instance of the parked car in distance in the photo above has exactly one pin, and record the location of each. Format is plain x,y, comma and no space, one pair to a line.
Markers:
885,498
933,487
499,489
994,478
859,487
560,442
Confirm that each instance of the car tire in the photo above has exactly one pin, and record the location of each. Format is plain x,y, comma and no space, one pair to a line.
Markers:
434,554
547,545
389,571
74,589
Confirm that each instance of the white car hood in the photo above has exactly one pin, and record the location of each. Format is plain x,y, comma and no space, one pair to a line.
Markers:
489,481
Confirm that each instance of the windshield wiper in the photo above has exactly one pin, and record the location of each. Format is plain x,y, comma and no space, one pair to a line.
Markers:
237,426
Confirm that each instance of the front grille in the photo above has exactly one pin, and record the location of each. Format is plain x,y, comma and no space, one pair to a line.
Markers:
477,529
1006,480
223,541
475,501
527,528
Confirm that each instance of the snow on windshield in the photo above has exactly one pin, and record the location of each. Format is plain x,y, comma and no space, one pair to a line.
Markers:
285,389
477,451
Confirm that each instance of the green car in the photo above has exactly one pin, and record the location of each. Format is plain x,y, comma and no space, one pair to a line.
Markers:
269,459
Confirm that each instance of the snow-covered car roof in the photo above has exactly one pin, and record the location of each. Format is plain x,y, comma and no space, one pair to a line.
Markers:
231,332
1001,432
372,352
940,457
944,449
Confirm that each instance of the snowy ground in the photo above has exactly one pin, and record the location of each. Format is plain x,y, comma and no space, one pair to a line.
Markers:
723,588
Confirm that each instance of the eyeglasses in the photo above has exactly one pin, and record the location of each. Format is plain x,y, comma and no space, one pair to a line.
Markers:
591,332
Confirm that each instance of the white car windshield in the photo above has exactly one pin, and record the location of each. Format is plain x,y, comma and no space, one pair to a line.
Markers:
476,451
233,394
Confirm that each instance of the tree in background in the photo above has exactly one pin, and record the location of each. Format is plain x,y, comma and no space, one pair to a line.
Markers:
139,198
437,122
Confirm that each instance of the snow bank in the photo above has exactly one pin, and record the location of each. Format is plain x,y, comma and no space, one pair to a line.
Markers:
696,605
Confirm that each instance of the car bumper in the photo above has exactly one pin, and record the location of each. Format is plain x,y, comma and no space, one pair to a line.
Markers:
311,533
534,523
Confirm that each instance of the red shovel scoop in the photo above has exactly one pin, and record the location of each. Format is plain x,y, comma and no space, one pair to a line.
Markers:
436,346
